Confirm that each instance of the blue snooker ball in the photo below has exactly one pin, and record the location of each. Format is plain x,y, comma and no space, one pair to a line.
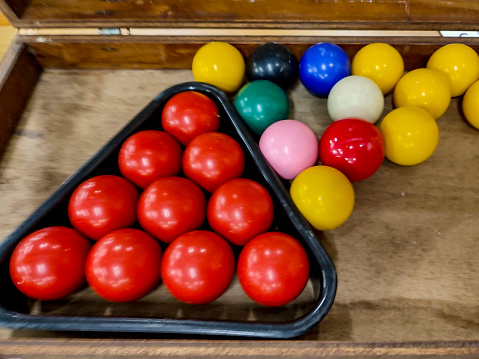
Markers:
321,66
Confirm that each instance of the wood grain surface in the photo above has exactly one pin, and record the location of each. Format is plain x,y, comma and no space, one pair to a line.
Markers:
177,52
406,259
19,73
373,14
115,349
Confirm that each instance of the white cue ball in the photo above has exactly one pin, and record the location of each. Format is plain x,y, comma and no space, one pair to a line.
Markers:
356,97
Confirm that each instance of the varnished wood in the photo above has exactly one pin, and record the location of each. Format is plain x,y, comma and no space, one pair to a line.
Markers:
146,52
11,10
226,32
375,14
89,349
6,35
19,73
3,20
406,259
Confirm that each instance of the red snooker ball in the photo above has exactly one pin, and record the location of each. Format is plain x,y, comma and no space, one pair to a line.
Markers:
353,146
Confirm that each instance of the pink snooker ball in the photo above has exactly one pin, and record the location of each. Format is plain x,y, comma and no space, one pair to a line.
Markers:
290,147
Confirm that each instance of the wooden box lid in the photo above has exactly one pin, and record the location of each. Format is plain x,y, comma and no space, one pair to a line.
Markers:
306,14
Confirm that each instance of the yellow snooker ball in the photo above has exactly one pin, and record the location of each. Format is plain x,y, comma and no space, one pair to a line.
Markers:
219,64
459,63
324,196
424,88
470,104
411,135
381,63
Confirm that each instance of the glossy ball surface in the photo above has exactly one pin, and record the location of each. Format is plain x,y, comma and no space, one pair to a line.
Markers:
411,135
381,63
321,66
212,159
219,64
124,265
424,88
103,204
324,196
470,104
149,155
355,97
189,114
170,207
49,263
459,63
273,269
353,146
261,103
239,210
198,267
290,147
273,62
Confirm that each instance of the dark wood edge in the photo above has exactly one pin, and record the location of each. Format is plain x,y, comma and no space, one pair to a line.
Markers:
12,14
19,73
323,25
249,40
154,52
116,348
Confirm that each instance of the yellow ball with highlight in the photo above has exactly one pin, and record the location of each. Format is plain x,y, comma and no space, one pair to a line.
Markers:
324,196
411,135
470,105
381,63
459,63
424,88
219,64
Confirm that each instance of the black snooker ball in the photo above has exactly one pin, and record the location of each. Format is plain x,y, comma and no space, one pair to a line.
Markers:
273,62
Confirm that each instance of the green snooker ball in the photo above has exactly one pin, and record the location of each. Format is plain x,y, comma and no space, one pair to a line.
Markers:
260,103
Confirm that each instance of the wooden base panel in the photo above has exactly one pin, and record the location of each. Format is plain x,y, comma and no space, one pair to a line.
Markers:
406,259
115,349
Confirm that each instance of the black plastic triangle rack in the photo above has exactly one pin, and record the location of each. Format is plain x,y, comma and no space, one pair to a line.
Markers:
233,314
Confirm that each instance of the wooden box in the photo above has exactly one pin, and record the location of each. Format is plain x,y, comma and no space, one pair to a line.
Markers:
406,260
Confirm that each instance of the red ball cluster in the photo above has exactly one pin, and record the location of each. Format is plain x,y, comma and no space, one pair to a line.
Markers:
175,215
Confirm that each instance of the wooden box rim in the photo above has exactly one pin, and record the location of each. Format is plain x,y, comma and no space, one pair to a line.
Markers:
265,14
70,347
449,19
